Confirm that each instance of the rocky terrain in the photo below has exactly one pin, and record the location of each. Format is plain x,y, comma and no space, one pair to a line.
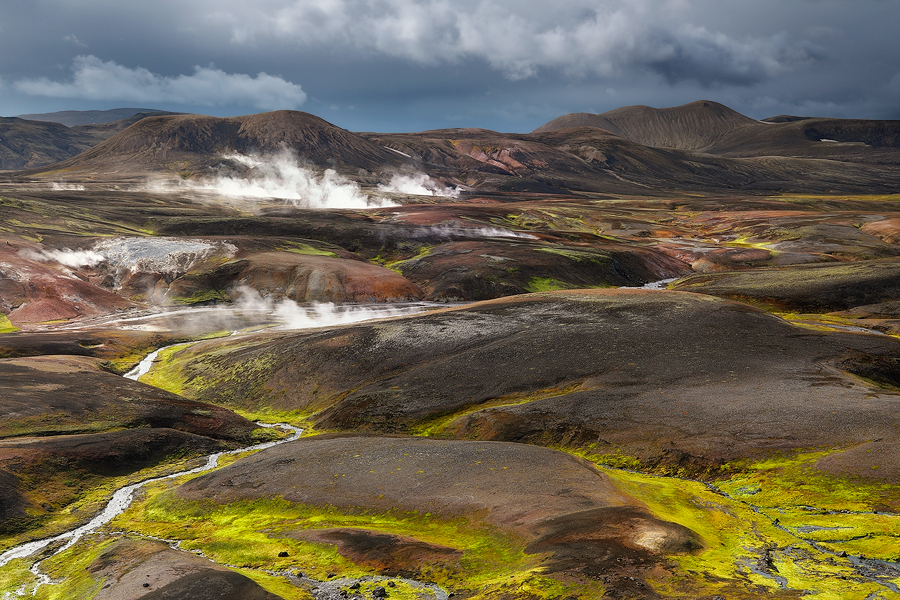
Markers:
29,141
646,354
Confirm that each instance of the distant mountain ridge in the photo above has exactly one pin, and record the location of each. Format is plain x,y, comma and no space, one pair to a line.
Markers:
72,118
701,146
28,144
713,128
692,126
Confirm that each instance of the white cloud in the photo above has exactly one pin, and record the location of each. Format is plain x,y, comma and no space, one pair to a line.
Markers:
520,38
72,39
95,79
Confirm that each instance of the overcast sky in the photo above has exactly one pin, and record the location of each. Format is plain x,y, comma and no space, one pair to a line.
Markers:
410,65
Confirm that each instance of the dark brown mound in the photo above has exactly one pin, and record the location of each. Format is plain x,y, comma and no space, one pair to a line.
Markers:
54,395
130,564
480,270
712,128
692,126
600,543
556,502
683,380
211,584
591,159
299,277
805,288
27,144
190,143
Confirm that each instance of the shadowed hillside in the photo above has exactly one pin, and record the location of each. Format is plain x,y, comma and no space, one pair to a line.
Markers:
712,128
693,126
27,143
189,143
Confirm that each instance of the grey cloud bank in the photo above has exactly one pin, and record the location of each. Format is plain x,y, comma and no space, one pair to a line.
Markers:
403,65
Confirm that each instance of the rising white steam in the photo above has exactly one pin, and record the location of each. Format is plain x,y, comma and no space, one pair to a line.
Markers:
292,315
69,187
457,231
282,176
67,257
418,184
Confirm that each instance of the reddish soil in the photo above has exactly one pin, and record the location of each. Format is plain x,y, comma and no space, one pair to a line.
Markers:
302,278
35,292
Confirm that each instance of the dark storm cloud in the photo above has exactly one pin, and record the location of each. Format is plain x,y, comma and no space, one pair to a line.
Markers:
416,64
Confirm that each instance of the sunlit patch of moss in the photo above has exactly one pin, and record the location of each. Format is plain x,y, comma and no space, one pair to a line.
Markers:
745,551
201,296
306,249
5,325
69,573
577,255
548,284
819,321
297,418
397,266
532,584
68,497
252,533
162,374
15,577
817,506
278,585
617,459
747,242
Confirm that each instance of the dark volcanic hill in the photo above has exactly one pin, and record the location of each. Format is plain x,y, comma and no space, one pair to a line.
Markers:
712,128
190,143
27,144
693,126
701,146
592,159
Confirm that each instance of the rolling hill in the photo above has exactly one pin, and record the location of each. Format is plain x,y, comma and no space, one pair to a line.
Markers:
189,143
702,146
713,128
30,143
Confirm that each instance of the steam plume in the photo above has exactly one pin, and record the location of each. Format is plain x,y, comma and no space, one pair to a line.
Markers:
451,231
292,315
67,257
282,176
418,184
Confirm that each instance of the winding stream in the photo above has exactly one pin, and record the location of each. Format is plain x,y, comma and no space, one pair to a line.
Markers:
121,500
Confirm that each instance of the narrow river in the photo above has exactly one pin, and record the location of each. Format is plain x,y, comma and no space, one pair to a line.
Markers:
122,498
